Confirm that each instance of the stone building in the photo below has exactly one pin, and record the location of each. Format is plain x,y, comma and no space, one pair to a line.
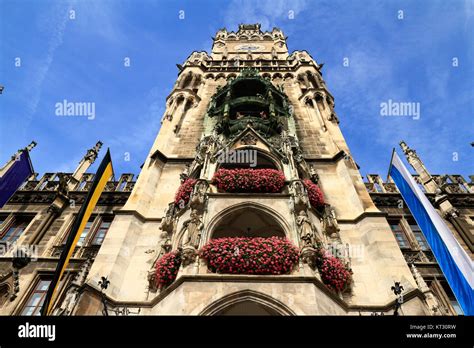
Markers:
251,98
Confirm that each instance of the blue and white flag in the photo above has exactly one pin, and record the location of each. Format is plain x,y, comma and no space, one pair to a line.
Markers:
16,175
455,263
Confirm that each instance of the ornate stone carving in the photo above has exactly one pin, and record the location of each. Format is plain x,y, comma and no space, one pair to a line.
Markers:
309,256
168,222
330,225
430,299
299,196
192,229
164,246
63,182
185,173
249,139
72,294
313,175
307,231
199,197
91,154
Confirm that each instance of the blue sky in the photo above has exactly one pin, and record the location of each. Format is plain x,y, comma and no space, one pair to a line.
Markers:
82,59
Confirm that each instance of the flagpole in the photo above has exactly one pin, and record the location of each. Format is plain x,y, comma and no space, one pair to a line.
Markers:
103,174
390,166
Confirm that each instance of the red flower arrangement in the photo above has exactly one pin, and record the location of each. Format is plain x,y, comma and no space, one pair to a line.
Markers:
167,268
184,192
334,273
249,180
241,255
315,194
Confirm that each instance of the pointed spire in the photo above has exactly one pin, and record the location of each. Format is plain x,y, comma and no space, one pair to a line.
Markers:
417,164
31,146
15,157
419,279
81,276
84,164
91,154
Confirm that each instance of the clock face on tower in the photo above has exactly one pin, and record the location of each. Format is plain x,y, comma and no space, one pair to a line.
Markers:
249,47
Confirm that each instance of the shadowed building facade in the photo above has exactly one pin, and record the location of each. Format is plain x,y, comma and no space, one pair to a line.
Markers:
251,97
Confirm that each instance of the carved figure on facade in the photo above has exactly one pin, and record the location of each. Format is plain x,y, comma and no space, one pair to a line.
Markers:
299,196
199,195
307,231
330,225
192,229
168,221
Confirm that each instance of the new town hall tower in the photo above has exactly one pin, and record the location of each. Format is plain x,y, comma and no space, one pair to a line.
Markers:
248,94
249,202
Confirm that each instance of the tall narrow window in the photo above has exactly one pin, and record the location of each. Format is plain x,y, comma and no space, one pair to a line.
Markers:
86,231
35,300
419,236
452,298
101,231
15,229
399,234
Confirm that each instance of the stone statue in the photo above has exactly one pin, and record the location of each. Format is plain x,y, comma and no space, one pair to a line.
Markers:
314,176
168,222
70,300
198,198
307,231
185,173
164,246
63,181
192,231
330,224
300,199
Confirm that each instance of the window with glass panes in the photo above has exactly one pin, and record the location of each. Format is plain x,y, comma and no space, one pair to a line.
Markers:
419,235
12,232
452,298
86,231
399,234
101,231
36,298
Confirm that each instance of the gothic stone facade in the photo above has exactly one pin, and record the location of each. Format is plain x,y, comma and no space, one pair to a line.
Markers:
249,94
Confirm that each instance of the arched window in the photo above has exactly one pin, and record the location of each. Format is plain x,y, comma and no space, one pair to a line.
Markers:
247,302
248,88
247,157
248,221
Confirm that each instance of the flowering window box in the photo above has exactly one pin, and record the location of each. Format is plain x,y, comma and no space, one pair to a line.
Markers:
167,268
249,180
241,255
315,194
334,272
184,192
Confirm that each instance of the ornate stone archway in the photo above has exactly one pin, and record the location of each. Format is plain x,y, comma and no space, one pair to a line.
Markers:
234,218
247,302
